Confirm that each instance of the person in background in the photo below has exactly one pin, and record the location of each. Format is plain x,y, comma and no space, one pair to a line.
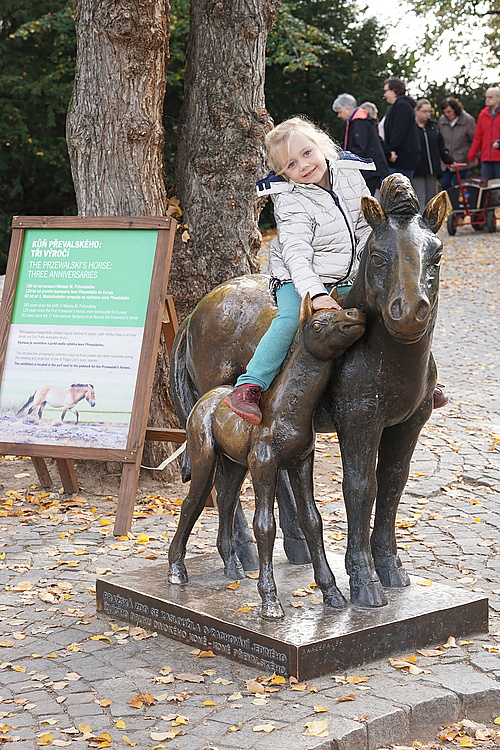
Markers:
400,129
457,128
433,151
361,138
486,141
372,110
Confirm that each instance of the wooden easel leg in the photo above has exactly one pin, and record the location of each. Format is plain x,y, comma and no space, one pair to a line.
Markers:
42,472
67,472
126,498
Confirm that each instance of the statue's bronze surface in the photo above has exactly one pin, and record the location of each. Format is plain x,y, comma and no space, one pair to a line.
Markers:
380,392
284,440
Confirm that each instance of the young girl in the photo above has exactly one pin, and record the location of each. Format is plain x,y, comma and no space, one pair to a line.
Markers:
321,234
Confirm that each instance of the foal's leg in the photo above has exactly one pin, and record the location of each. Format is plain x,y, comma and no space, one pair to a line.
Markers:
395,452
227,500
203,471
294,542
301,478
264,475
359,453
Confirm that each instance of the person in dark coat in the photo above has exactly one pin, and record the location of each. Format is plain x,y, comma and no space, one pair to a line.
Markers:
361,137
400,129
433,151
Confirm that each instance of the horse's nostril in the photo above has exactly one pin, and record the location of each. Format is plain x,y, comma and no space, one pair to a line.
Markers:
423,309
396,308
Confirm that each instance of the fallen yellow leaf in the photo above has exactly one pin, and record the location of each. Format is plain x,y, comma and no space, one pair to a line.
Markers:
120,724
264,728
317,728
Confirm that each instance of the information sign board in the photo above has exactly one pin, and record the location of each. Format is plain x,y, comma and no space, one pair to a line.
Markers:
79,330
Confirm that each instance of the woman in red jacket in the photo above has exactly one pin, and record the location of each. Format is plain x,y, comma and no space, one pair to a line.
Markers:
487,136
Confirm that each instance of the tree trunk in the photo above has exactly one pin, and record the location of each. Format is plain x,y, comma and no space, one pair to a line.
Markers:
220,153
114,126
115,133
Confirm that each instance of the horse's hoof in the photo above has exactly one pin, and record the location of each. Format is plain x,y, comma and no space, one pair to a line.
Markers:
335,599
272,611
370,594
247,555
177,574
233,569
296,551
392,576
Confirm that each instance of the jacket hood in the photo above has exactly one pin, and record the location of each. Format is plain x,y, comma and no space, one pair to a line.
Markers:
359,114
272,183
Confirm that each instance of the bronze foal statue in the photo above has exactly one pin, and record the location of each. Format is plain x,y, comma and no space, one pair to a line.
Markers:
284,440
380,392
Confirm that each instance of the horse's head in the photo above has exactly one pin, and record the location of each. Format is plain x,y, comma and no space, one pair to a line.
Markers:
400,264
90,394
328,333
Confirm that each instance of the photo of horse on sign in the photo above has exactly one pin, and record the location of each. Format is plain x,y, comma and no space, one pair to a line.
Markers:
59,398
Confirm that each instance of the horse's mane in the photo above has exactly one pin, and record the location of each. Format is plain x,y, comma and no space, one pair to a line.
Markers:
397,196
81,385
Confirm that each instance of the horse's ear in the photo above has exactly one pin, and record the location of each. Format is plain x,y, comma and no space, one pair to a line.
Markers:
436,210
306,309
372,211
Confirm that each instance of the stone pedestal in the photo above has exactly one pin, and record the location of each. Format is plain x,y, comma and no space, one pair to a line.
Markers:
311,640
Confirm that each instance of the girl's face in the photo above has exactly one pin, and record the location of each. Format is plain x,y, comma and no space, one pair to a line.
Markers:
306,163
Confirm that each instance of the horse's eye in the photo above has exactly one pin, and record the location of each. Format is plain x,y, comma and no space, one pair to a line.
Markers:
317,326
378,260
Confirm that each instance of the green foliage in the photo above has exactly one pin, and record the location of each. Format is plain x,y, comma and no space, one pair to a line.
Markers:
328,50
467,90
462,16
37,60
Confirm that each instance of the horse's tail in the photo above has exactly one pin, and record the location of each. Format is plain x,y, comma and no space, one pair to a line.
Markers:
182,390
28,402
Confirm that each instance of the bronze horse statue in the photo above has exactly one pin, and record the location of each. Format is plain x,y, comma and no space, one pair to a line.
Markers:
284,440
380,393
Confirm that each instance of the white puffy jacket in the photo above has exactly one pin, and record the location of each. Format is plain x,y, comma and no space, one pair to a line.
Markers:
321,233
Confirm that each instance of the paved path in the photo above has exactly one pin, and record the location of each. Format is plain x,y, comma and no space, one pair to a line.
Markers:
67,674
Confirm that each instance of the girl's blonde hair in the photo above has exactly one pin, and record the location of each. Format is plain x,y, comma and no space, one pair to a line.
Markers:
278,142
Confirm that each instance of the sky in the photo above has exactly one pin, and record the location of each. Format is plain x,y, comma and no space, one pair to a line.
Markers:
405,28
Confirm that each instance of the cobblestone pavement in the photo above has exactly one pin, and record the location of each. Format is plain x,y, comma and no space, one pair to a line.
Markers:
68,674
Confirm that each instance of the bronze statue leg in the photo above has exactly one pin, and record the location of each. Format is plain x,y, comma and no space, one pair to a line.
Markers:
359,453
395,452
301,478
203,478
294,542
227,500
264,475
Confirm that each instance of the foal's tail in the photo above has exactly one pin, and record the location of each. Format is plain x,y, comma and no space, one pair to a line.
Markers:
28,402
182,389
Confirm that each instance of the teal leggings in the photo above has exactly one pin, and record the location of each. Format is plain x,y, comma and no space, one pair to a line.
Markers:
274,344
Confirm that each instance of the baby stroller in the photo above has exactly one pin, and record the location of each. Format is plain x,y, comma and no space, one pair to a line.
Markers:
474,199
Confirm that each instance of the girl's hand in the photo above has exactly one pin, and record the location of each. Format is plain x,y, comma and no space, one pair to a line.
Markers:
325,302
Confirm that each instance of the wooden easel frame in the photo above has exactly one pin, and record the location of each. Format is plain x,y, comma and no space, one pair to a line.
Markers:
160,314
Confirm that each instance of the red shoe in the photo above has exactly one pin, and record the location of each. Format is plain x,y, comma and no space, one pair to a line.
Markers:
246,401
440,397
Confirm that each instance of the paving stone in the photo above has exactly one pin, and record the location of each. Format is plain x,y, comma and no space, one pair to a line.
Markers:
429,708
479,695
